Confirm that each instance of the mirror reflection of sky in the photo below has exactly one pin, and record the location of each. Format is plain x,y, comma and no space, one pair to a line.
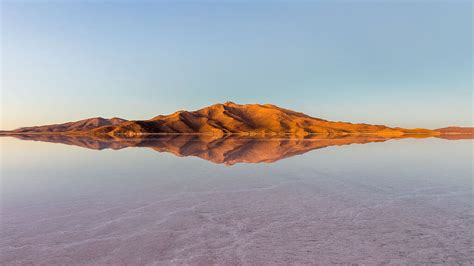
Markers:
26,164
403,201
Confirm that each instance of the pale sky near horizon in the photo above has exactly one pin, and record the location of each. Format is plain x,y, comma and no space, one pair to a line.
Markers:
405,63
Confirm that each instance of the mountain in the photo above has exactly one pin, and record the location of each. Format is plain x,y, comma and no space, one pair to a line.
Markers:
221,119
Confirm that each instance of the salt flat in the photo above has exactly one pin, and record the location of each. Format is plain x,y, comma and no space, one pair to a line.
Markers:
395,202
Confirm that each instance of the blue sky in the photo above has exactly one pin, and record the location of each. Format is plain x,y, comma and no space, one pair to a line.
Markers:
397,63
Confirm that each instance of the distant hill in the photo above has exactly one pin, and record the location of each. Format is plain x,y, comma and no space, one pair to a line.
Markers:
72,127
456,130
222,119
454,133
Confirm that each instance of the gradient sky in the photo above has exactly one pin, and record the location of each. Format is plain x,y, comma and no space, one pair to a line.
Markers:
396,63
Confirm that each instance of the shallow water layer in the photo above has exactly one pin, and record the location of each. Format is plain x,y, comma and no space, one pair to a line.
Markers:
397,201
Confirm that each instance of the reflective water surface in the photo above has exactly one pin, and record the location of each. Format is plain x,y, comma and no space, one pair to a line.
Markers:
199,201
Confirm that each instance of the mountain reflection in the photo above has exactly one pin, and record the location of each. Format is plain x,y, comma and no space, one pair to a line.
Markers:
228,150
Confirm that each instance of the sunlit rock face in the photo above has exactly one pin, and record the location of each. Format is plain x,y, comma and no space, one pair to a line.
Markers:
222,119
